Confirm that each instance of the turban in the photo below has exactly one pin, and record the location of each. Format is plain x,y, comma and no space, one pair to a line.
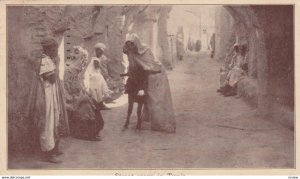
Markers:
100,46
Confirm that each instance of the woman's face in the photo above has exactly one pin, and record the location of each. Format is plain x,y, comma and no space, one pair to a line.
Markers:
130,47
96,64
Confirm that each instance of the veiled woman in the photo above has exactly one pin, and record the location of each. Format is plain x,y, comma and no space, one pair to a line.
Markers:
159,107
85,117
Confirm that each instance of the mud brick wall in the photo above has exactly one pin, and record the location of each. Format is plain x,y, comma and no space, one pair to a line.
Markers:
164,51
279,39
279,67
270,36
223,32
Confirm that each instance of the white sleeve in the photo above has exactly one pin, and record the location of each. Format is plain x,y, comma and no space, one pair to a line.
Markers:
47,65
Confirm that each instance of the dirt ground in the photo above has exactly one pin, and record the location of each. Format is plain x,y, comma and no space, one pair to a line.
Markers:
212,132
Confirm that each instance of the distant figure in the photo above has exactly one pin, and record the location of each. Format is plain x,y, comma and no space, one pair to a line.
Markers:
212,45
198,46
190,45
47,103
158,107
179,43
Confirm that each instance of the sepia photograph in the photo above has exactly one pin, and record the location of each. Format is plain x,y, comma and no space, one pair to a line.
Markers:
150,86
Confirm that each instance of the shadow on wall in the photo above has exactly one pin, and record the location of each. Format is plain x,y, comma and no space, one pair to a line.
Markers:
269,33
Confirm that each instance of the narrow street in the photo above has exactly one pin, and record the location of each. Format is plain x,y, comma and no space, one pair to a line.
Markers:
212,132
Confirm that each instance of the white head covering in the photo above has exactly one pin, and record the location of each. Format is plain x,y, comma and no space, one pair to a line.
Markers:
82,51
100,46
145,57
90,70
134,38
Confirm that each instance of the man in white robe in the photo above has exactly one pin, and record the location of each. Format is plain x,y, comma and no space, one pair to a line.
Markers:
54,102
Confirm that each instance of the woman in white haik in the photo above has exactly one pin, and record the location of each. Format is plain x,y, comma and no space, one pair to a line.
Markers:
95,84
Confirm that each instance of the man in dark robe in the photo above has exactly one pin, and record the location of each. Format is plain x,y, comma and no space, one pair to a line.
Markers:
158,107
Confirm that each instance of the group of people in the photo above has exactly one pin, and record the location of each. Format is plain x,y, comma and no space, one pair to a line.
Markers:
86,91
47,102
231,74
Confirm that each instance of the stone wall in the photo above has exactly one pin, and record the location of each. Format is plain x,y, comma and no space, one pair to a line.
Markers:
279,67
269,33
223,32
164,51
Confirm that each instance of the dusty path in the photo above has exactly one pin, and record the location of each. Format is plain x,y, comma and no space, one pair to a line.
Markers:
212,132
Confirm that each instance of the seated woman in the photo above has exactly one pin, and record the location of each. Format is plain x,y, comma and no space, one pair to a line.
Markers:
224,70
238,68
84,114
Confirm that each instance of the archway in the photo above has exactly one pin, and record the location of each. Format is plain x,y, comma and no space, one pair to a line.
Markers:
270,73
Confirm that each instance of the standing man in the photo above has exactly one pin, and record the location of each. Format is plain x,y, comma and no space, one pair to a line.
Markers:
99,49
158,106
47,104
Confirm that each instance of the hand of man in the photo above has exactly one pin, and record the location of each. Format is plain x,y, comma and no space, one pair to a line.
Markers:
141,93
123,74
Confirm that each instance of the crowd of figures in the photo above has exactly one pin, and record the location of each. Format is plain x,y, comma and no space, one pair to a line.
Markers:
73,106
